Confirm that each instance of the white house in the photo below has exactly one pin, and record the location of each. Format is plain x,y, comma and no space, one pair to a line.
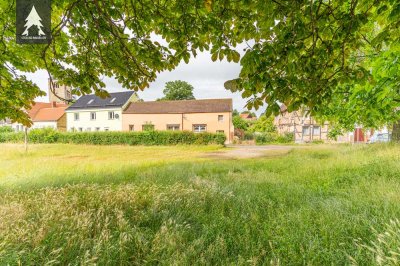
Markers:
91,113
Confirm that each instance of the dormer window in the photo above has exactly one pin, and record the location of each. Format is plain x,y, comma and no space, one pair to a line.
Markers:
89,102
112,100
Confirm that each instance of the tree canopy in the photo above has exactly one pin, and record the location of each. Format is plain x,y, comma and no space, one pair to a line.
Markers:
263,124
314,53
177,90
240,123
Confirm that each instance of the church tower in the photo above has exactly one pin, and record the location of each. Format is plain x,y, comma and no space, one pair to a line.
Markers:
61,91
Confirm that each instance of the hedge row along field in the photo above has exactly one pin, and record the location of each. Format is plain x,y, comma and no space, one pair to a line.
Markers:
109,138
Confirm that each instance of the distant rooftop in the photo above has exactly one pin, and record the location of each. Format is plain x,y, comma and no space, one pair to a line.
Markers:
179,107
116,99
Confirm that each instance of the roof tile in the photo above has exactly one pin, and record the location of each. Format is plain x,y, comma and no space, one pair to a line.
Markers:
178,107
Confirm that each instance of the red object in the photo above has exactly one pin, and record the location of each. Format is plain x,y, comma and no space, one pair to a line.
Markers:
358,135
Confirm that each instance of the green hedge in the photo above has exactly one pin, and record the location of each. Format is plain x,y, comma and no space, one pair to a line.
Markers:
6,129
109,138
267,138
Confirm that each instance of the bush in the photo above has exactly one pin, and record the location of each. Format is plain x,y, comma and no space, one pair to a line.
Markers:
248,136
267,138
110,138
287,137
6,129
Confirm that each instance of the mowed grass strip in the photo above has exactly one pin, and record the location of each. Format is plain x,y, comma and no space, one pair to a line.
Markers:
317,205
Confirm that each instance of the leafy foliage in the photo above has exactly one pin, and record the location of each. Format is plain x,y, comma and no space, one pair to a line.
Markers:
316,49
178,90
240,123
263,124
6,129
273,137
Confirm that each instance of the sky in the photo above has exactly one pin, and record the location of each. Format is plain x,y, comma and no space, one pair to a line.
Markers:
207,78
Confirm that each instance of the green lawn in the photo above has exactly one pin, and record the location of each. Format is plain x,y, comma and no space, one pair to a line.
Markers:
121,205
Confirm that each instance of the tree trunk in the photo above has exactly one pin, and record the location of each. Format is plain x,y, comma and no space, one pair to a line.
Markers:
26,139
396,132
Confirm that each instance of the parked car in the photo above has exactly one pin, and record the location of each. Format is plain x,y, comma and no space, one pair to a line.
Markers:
380,137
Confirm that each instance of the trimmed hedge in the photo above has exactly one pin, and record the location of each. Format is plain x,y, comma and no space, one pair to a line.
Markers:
109,138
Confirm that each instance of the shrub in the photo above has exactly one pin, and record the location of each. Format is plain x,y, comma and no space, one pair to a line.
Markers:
266,138
287,137
110,138
6,129
248,136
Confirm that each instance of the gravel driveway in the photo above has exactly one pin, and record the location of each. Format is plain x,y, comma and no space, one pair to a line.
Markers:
250,151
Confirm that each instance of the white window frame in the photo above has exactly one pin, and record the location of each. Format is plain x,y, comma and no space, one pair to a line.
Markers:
199,128
220,118
93,117
76,116
173,127
112,115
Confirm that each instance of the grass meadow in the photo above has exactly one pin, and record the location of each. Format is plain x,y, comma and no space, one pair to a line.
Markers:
118,205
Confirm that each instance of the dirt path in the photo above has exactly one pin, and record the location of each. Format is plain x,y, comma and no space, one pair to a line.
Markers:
250,151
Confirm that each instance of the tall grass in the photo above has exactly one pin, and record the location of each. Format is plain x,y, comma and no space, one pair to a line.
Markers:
320,205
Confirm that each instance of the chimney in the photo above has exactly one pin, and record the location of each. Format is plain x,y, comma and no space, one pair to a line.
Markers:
53,104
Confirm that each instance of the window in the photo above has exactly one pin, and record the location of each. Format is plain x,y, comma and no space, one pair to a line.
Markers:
112,115
112,100
316,130
199,128
76,116
131,128
148,127
80,129
92,116
97,129
220,131
306,130
173,127
106,129
220,118
91,100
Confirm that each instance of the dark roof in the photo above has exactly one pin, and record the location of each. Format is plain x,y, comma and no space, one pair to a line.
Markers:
179,107
94,102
